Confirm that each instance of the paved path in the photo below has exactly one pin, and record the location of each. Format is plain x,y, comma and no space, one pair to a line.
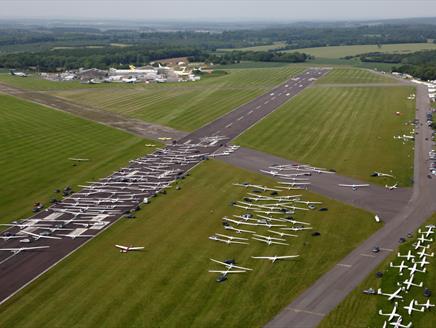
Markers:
308,309
137,127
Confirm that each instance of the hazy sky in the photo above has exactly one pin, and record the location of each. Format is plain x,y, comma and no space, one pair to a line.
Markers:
218,10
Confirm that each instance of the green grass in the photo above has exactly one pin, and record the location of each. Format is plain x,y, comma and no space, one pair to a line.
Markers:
342,51
167,285
359,310
35,83
253,64
36,143
273,46
349,129
354,75
184,106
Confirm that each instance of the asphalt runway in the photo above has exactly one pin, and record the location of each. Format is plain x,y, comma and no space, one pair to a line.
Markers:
19,269
137,127
237,121
308,309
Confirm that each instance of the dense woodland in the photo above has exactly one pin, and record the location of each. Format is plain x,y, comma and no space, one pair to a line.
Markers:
262,56
52,48
420,64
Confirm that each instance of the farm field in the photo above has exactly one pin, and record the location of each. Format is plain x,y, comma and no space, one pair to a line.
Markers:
342,51
36,143
359,310
349,129
184,106
354,75
169,282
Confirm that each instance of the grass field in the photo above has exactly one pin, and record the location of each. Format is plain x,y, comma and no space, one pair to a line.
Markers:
167,285
184,106
36,83
342,51
349,129
273,46
354,75
253,64
359,310
36,143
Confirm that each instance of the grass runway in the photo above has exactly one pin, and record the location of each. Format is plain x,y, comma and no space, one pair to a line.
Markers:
349,129
36,143
184,106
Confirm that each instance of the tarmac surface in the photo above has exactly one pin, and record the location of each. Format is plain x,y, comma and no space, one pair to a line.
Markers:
309,308
379,200
105,201
137,127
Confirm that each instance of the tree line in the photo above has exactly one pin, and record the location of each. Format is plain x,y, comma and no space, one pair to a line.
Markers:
421,64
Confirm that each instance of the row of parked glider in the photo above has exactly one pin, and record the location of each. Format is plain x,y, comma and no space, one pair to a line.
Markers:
264,216
99,203
408,265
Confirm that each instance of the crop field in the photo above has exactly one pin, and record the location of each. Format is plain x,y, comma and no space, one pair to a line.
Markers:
184,106
36,143
354,75
168,283
359,310
342,51
349,129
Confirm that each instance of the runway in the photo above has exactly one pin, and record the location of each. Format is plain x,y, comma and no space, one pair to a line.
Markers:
90,211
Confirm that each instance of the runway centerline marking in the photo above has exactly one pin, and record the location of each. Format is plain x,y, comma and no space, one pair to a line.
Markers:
258,106
240,118
367,255
309,312
229,125
266,102
387,249
344,265
249,113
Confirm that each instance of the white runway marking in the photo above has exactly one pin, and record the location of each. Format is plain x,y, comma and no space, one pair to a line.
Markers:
242,117
386,249
344,265
258,106
229,125
309,312
266,102
367,255
250,112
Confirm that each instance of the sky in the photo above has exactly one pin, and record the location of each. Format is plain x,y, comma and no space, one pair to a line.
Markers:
218,10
